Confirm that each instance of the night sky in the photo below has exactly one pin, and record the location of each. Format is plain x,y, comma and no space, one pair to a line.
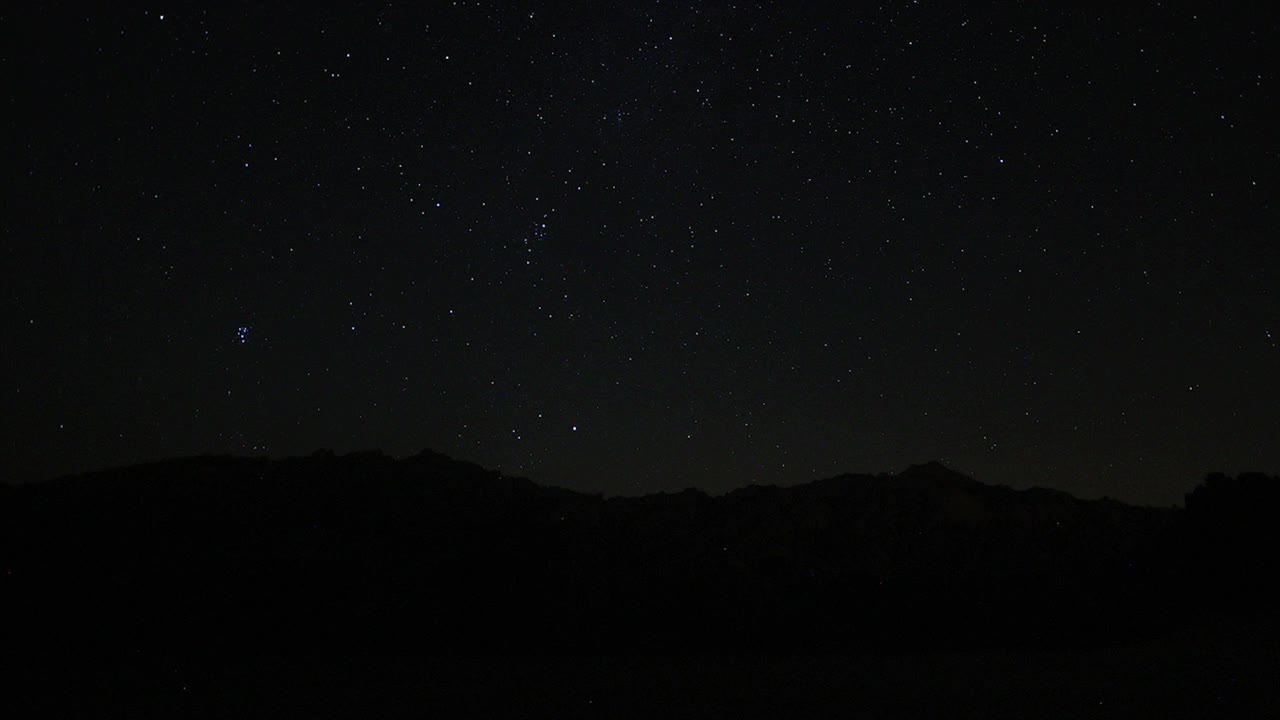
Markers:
634,247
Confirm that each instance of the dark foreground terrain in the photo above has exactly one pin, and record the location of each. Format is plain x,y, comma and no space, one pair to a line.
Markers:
343,586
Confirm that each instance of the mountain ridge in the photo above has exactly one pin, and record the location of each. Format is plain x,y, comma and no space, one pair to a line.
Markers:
919,472
365,551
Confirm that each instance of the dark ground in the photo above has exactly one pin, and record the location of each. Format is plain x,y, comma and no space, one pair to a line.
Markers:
364,586
1223,669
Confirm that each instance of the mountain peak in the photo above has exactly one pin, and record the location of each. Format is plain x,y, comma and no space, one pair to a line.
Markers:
935,470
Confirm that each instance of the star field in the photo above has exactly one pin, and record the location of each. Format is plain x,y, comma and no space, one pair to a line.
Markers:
642,246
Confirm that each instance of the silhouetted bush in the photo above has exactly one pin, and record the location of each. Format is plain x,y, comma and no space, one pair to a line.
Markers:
1231,532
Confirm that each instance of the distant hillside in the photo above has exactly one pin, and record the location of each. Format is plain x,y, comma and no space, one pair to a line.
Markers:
366,552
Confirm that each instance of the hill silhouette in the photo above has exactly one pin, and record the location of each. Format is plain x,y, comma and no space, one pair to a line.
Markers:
364,552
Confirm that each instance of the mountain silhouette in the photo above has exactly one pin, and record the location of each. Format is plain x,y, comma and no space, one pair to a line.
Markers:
367,552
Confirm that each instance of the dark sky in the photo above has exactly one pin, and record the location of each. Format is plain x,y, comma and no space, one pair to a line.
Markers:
639,246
